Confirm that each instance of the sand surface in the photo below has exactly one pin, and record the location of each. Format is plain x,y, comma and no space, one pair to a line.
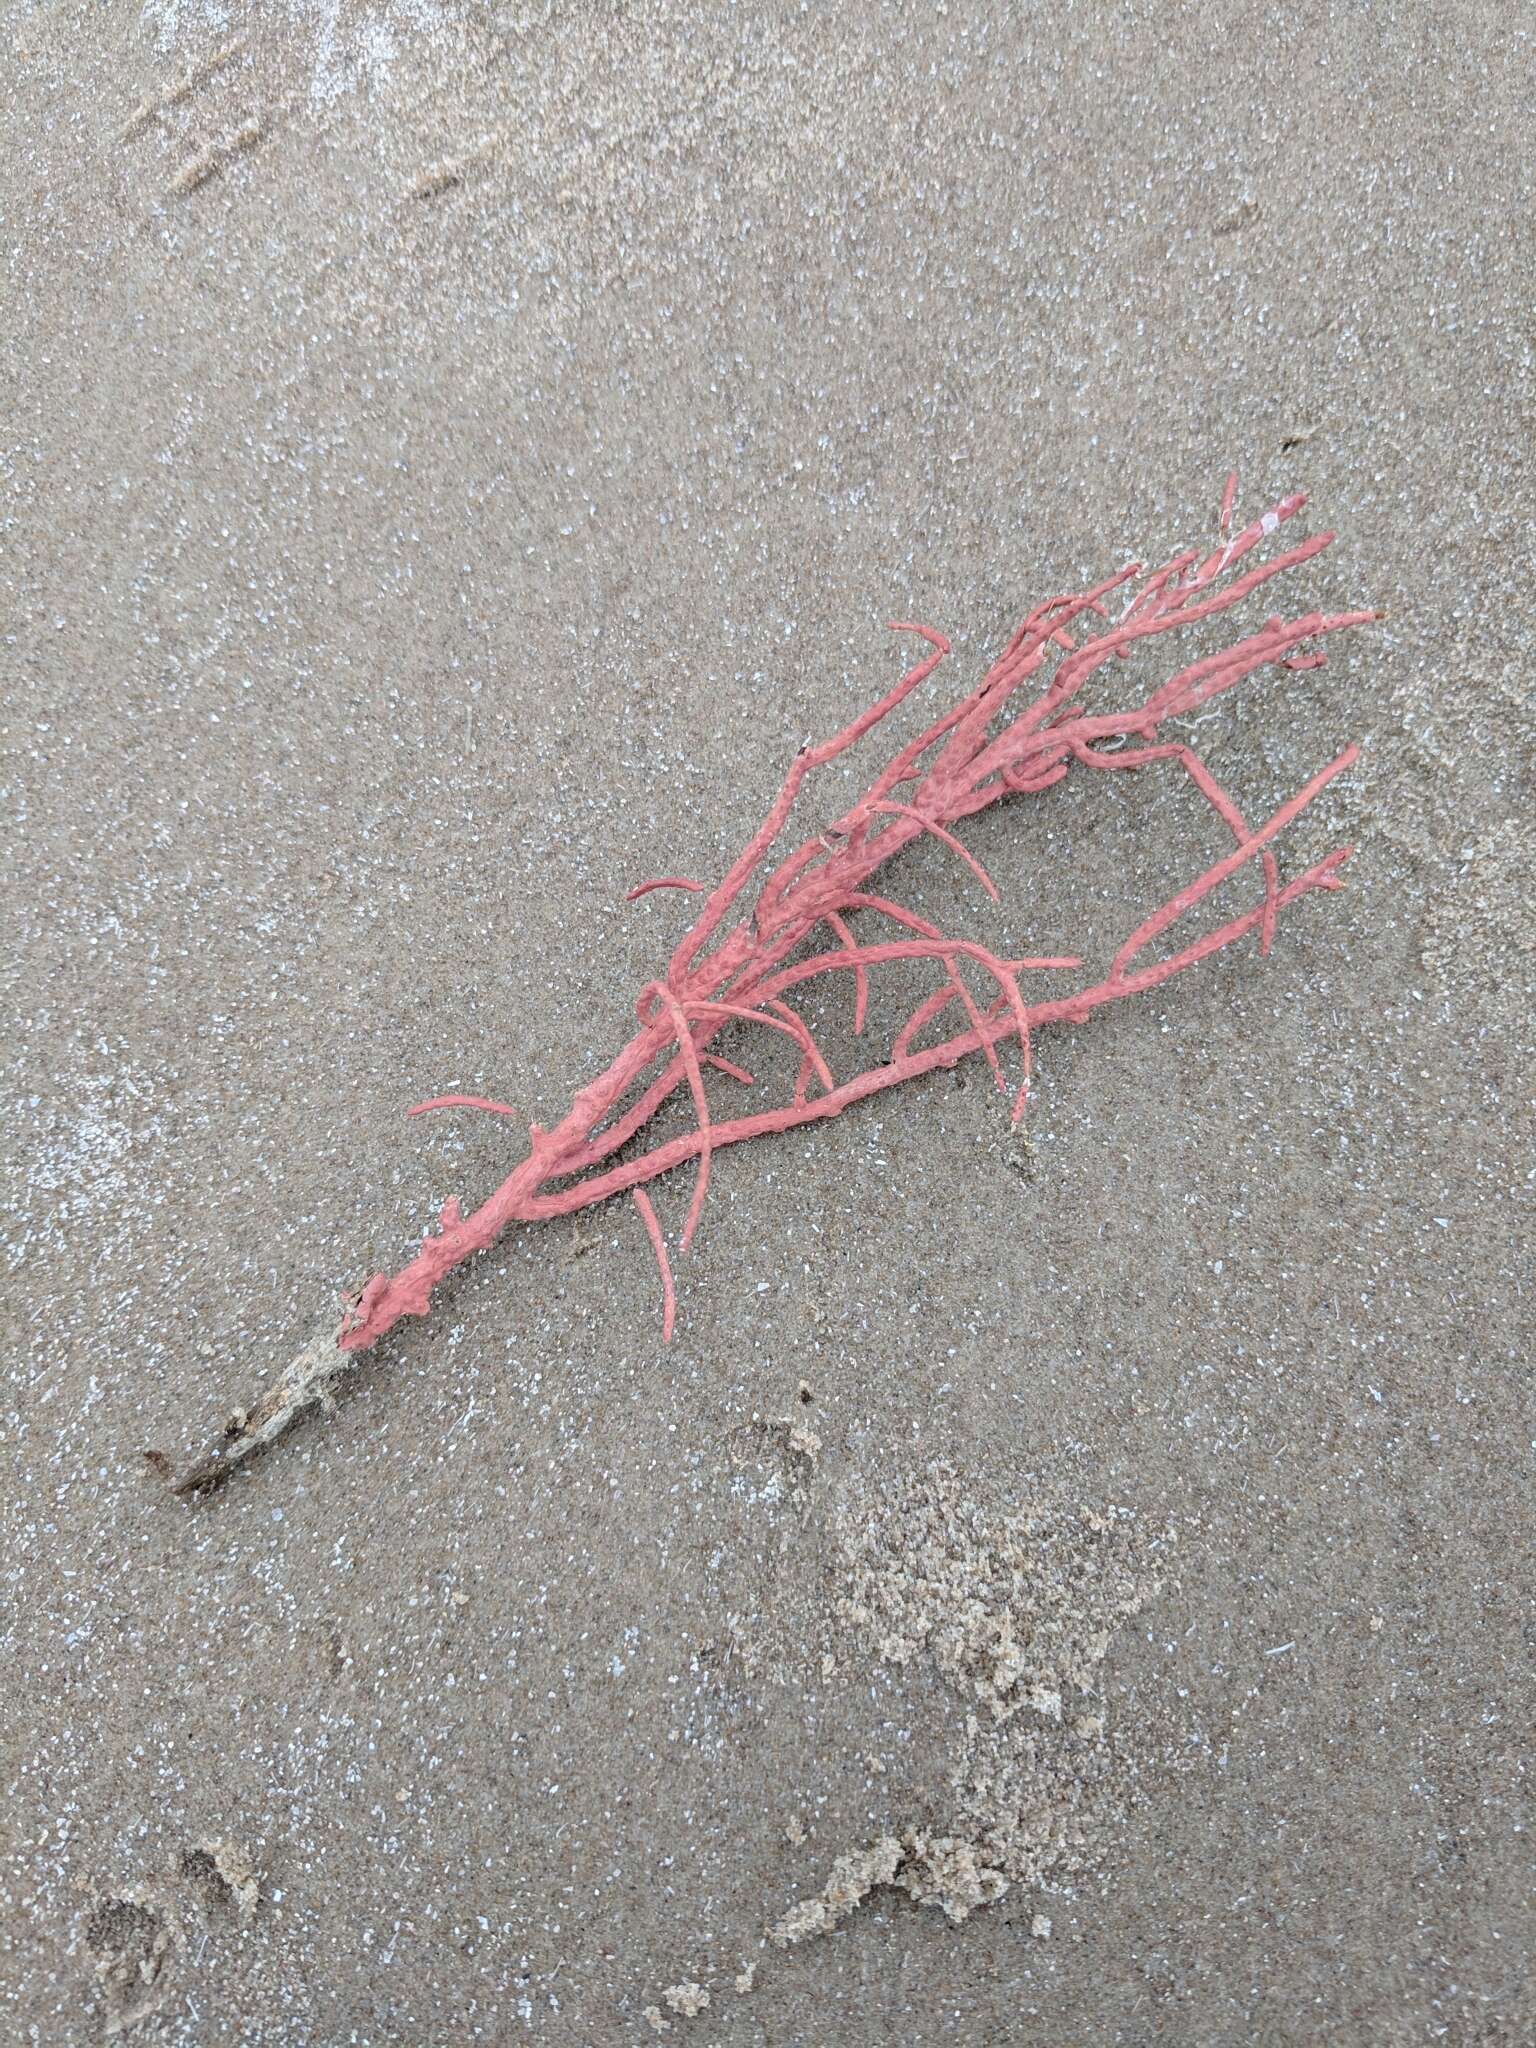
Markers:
449,458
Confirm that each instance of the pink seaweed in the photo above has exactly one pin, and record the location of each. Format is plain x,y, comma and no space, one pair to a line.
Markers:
726,974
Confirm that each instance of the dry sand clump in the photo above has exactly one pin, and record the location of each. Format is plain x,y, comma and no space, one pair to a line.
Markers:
131,1938
1016,1610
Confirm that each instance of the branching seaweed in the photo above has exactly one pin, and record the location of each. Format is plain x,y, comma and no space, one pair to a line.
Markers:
736,966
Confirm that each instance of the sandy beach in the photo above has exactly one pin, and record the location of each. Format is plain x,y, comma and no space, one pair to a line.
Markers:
1062,1589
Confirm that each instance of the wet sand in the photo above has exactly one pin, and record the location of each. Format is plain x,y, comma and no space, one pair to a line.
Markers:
451,458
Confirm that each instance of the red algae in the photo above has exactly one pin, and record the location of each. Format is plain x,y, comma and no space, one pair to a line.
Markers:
740,958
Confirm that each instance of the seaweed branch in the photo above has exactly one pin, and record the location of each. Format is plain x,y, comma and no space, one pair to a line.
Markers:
739,959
